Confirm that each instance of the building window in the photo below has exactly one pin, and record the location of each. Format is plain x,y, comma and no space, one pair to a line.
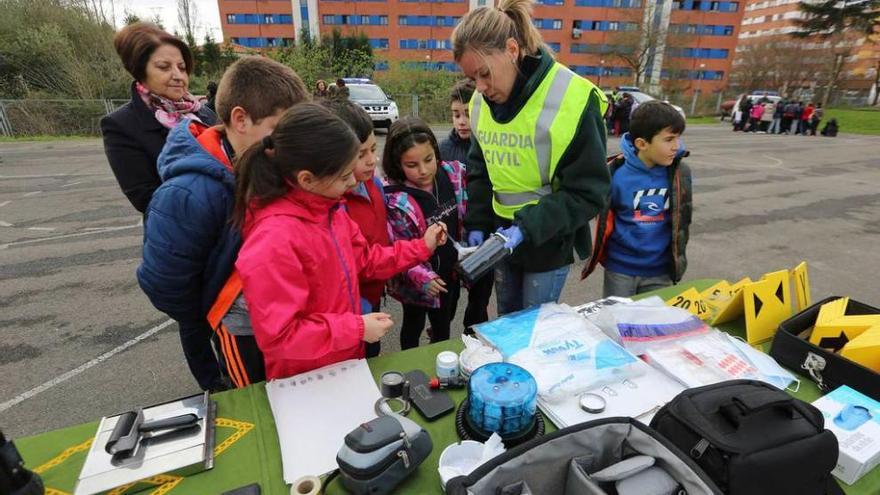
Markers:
593,70
432,44
556,47
623,4
355,20
230,18
553,24
423,65
425,20
706,5
701,29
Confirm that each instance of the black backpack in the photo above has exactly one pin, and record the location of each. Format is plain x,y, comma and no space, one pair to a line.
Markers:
752,438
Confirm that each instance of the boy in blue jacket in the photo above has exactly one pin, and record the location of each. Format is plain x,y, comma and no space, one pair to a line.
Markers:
190,246
644,230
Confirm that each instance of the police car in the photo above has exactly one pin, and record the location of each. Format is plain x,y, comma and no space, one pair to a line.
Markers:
641,97
382,109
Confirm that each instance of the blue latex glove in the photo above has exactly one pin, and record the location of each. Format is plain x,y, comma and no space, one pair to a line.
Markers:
514,236
475,238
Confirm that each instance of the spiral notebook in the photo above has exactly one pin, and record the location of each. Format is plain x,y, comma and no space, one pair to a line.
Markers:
315,410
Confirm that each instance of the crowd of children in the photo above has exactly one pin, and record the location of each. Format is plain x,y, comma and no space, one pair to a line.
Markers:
766,116
272,240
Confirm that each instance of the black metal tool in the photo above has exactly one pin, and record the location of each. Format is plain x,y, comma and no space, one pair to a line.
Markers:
130,429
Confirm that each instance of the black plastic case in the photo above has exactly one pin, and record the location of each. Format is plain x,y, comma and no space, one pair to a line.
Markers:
827,369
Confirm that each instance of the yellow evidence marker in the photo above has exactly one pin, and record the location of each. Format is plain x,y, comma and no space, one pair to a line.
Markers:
801,286
692,301
865,349
732,307
766,304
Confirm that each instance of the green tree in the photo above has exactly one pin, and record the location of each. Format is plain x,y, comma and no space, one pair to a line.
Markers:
336,56
842,24
403,81
53,48
211,58
187,14
157,20
831,17
130,18
351,55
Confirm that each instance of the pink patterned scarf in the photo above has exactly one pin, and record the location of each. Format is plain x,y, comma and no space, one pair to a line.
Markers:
169,113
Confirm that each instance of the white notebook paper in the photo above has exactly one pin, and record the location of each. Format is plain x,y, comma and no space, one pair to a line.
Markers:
315,410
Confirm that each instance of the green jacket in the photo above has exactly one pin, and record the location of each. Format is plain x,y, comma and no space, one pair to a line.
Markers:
559,223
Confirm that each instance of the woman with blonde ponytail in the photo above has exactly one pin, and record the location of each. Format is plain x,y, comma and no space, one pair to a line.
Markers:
536,167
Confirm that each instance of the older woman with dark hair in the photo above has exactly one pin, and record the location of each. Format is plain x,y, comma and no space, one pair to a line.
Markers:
135,133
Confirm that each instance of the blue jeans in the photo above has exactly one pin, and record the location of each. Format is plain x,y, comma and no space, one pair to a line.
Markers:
516,289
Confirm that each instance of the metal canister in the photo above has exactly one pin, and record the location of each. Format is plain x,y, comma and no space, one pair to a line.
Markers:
489,254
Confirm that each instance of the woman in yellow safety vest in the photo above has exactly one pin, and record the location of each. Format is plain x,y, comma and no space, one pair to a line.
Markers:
536,167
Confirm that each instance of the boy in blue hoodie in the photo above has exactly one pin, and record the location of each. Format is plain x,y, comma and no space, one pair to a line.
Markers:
190,246
642,240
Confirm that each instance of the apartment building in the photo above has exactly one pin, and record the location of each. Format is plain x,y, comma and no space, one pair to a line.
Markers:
770,23
693,48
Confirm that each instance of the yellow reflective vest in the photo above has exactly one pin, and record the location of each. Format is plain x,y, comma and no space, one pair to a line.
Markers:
521,155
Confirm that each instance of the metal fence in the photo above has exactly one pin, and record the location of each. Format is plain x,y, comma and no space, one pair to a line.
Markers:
60,117
431,109
55,117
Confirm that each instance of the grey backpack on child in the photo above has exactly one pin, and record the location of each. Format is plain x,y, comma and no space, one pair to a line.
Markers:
604,457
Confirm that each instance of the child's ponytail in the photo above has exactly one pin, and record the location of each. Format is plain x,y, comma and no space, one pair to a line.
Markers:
256,176
307,137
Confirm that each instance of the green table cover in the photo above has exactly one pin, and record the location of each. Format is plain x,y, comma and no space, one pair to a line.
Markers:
247,448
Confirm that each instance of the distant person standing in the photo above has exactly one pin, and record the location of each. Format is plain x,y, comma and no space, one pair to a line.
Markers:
340,90
788,117
755,115
211,97
135,133
767,116
622,111
806,118
796,120
321,90
818,114
779,110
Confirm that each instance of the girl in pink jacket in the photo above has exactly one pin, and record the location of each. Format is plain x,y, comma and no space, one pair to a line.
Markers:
302,255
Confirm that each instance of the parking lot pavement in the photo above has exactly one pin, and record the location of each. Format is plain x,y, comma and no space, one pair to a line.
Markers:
80,340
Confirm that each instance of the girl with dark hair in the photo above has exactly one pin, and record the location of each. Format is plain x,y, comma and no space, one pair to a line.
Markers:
365,201
422,190
303,256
